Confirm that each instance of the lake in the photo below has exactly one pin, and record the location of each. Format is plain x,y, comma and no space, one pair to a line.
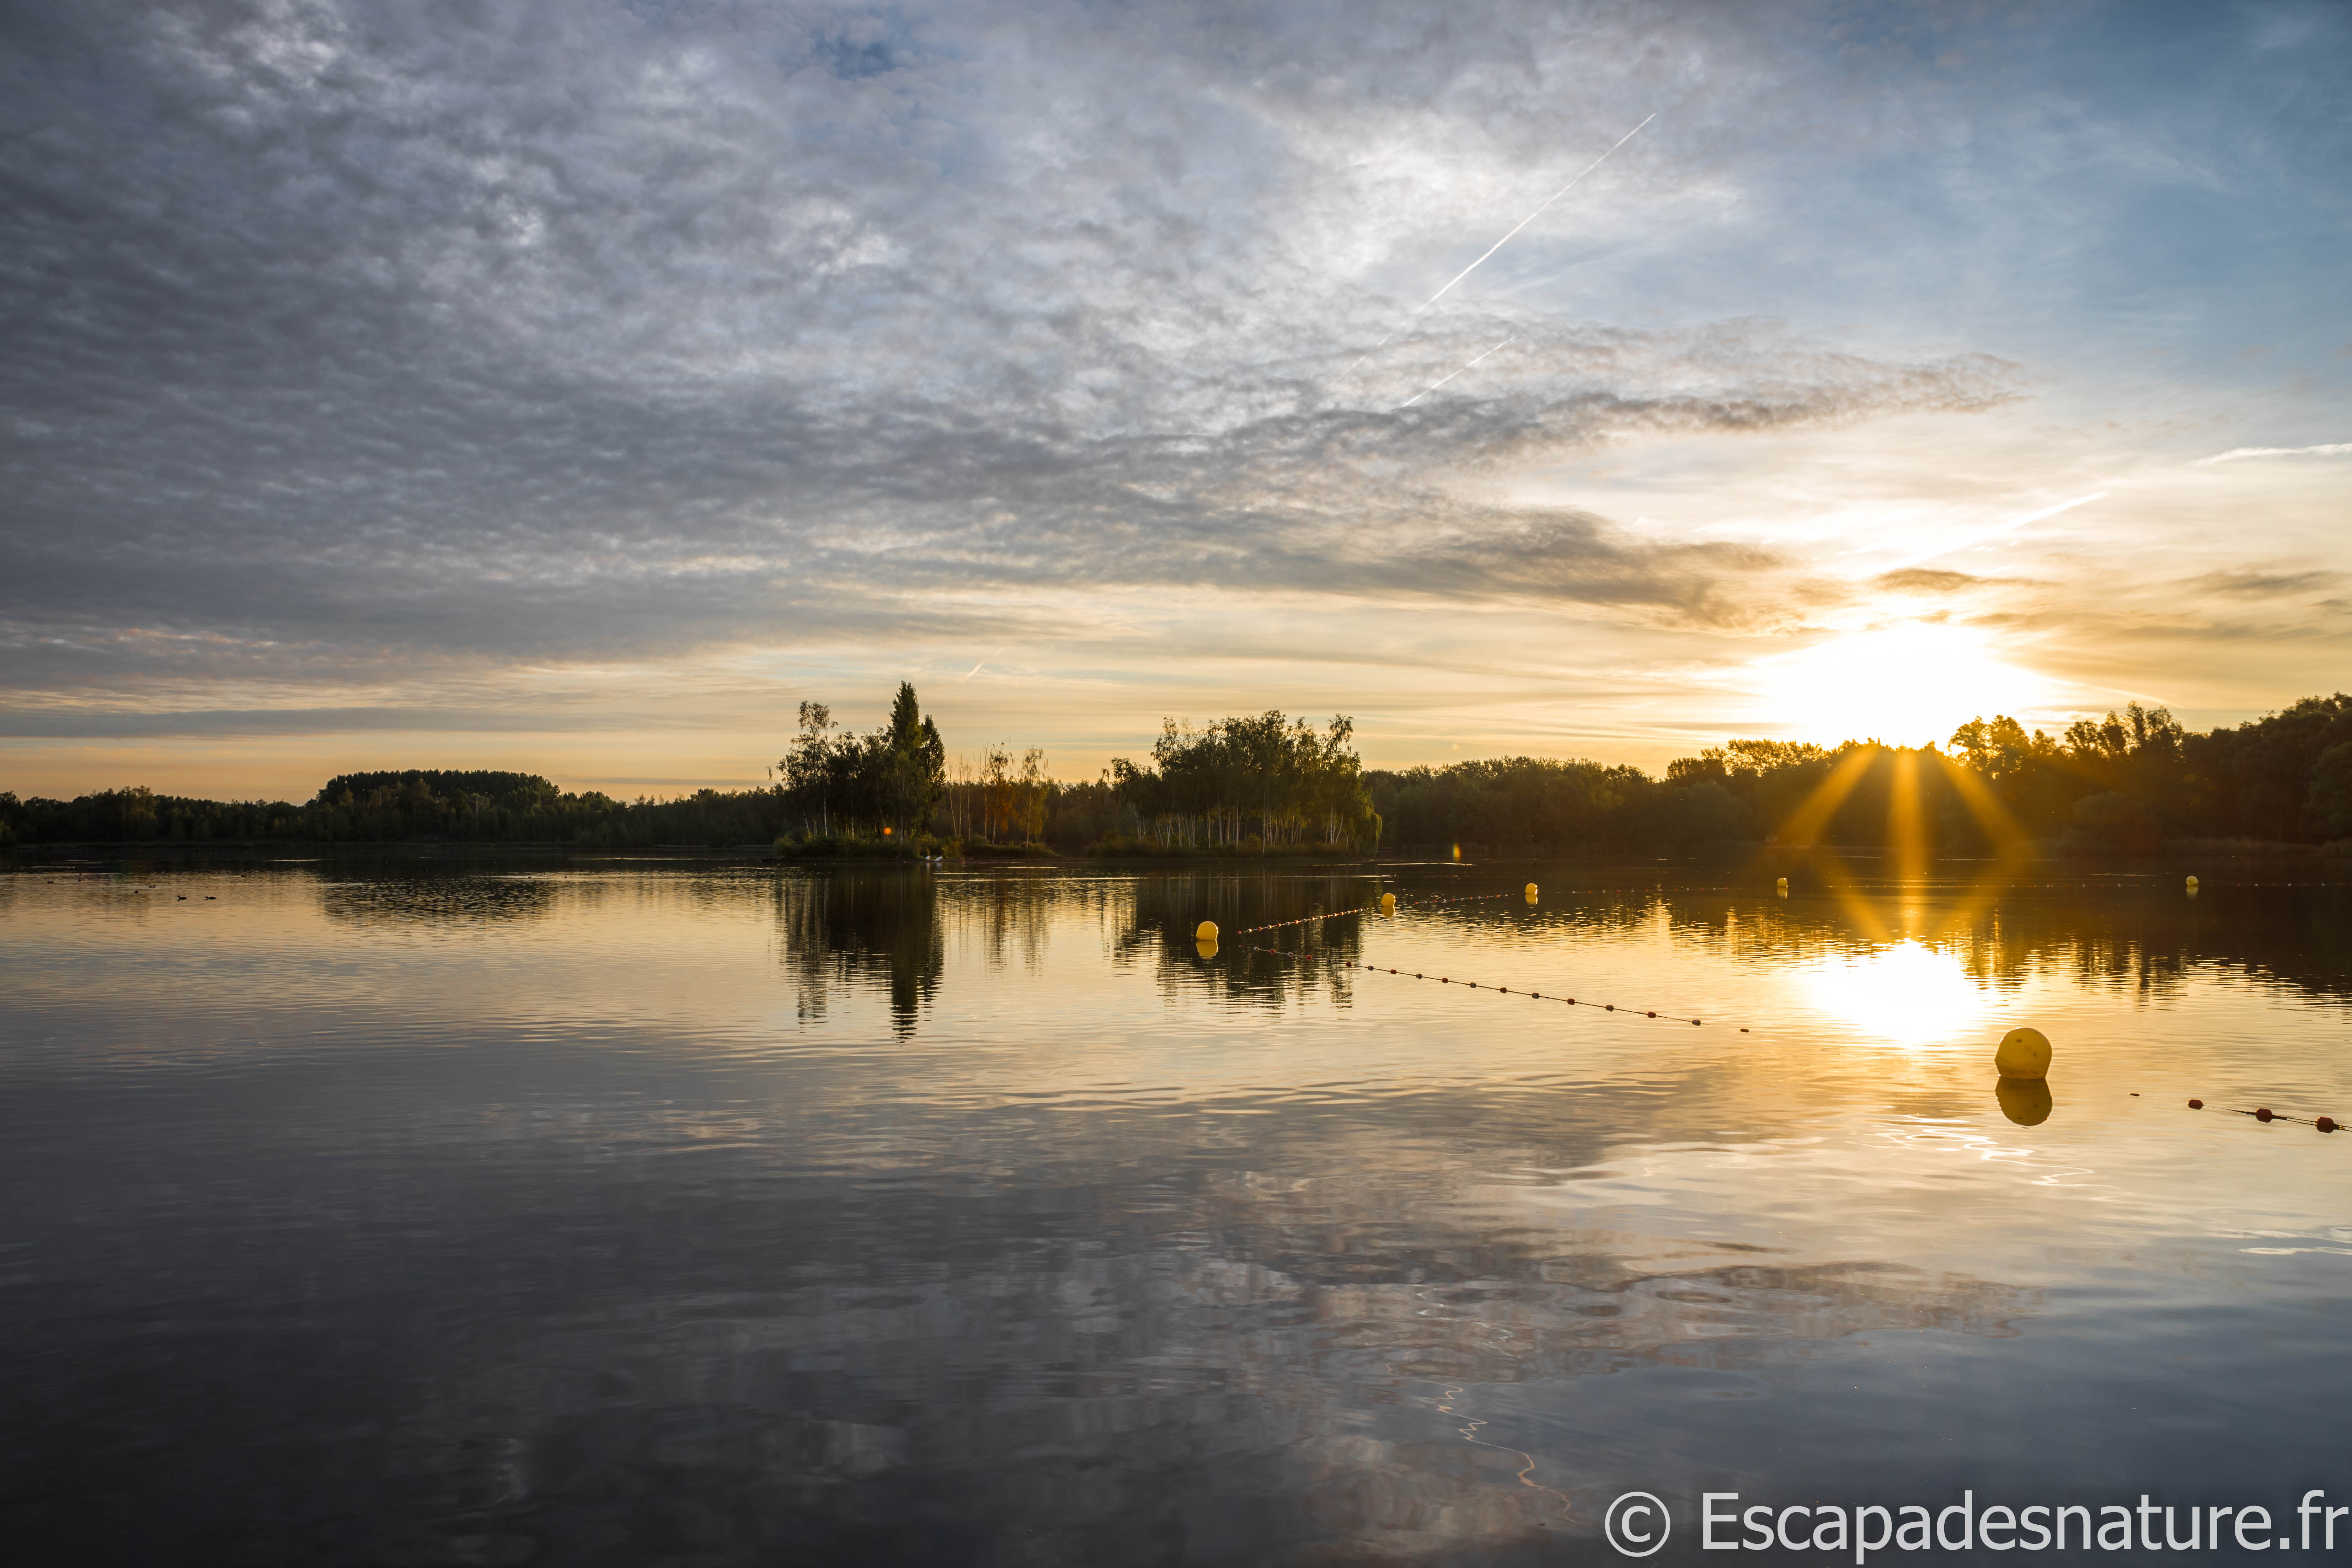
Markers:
628,1212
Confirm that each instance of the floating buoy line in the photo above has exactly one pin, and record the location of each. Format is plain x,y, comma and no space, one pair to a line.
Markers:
1476,985
2022,1059
1476,898
1371,908
1780,887
2121,882
2264,1113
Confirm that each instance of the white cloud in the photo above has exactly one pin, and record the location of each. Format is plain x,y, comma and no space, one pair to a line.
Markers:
2238,454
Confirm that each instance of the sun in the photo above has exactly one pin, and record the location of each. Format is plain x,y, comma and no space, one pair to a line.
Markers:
1908,993
1906,685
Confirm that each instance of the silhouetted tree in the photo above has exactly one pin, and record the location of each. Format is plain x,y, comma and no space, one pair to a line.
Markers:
1207,787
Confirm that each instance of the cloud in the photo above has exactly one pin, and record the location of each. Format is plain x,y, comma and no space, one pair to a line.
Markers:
89,723
359,352
2266,584
2239,454
360,336
1929,580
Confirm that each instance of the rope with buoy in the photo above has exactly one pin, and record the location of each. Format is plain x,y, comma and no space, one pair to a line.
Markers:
2264,1113
1478,986
1368,909
1383,905
2022,1059
2122,883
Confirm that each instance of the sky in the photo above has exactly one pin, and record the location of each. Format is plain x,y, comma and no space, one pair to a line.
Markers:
579,388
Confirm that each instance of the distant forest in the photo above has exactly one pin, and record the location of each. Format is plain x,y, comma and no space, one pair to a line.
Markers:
2122,784
1268,784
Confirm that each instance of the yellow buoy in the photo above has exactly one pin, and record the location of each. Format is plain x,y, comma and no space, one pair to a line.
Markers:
1457,852
1388,903
1208,931
1206,947
1783,887
2022,1053
1531,892
2192,886
2025,1100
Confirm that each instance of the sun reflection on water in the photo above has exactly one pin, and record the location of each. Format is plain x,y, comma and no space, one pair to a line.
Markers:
1908,993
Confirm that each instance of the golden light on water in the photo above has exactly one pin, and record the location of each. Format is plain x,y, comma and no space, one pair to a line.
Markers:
1908,993
1906,685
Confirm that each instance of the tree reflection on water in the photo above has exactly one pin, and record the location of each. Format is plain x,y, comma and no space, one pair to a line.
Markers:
874,927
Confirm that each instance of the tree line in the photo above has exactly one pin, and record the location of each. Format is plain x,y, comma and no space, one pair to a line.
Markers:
1268,783
410,804
2124,784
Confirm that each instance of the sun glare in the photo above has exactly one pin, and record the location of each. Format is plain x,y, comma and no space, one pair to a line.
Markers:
1904,685
1908,994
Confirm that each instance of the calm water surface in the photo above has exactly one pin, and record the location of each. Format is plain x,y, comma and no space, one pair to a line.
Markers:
689,1212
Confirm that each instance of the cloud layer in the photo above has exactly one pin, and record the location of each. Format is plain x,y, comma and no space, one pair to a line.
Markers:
356,343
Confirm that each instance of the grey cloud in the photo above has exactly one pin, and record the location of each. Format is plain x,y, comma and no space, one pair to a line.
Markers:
349,338
89,724
1922,582
2264,584
1931,579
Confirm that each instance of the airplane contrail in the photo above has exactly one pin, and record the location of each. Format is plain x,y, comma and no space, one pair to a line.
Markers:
1433,385
1996,531
991,653
1498,245
2239,454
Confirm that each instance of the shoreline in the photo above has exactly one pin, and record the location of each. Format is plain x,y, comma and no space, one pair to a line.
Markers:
2043,855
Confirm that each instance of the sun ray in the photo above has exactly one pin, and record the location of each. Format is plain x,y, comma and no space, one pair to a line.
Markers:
1906,836
1804,824
2012,846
